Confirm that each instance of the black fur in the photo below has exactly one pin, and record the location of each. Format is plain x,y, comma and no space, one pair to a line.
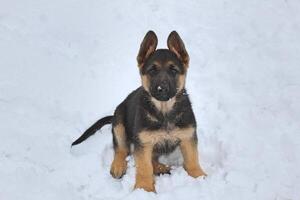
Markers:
93,129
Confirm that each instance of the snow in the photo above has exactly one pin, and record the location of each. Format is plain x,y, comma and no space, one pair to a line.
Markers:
64,64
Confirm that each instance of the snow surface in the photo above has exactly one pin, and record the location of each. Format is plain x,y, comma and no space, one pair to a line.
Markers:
66,63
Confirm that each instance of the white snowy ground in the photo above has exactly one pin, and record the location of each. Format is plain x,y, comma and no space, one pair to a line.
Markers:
66,63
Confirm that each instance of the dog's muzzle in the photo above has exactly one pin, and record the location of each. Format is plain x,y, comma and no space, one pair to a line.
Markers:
163,91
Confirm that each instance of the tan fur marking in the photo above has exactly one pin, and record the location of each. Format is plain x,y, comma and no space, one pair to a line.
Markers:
155,137
191,164
144,170
170,62
119,132
157,64
119,164
181,82
145,82
164,106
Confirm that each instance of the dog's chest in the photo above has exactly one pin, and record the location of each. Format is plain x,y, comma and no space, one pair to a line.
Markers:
166,140
169,127
168,134
167,131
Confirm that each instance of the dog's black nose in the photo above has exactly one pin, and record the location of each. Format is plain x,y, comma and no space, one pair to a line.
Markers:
163,88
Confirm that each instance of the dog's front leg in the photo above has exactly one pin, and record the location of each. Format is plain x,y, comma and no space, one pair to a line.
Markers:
189,150
144,170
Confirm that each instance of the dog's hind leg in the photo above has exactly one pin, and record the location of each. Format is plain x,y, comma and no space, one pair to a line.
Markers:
159,168
121,149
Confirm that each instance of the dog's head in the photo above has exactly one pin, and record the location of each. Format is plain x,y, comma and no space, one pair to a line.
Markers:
163,71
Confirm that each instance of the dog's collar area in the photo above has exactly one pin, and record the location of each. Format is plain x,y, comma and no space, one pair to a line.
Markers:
164,106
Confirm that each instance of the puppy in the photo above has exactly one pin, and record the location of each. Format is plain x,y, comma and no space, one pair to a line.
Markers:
155,118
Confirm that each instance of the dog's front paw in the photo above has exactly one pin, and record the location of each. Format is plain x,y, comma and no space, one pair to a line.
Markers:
147,184
195,172
118,168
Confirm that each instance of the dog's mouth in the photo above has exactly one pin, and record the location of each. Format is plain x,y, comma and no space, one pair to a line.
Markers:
162,94
161,97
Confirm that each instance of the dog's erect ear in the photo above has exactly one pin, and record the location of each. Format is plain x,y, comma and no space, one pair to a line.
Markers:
148,46
175,44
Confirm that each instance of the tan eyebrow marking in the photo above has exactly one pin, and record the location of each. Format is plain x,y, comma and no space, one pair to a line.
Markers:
157,64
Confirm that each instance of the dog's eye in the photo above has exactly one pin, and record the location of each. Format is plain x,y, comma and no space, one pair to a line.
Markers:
173,70
152,70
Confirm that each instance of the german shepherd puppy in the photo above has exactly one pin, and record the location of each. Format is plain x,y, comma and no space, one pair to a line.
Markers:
155,118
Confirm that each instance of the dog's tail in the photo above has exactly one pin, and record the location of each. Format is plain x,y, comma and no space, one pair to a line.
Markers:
93,129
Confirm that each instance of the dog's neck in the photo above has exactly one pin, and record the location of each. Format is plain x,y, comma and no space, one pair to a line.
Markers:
164,106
